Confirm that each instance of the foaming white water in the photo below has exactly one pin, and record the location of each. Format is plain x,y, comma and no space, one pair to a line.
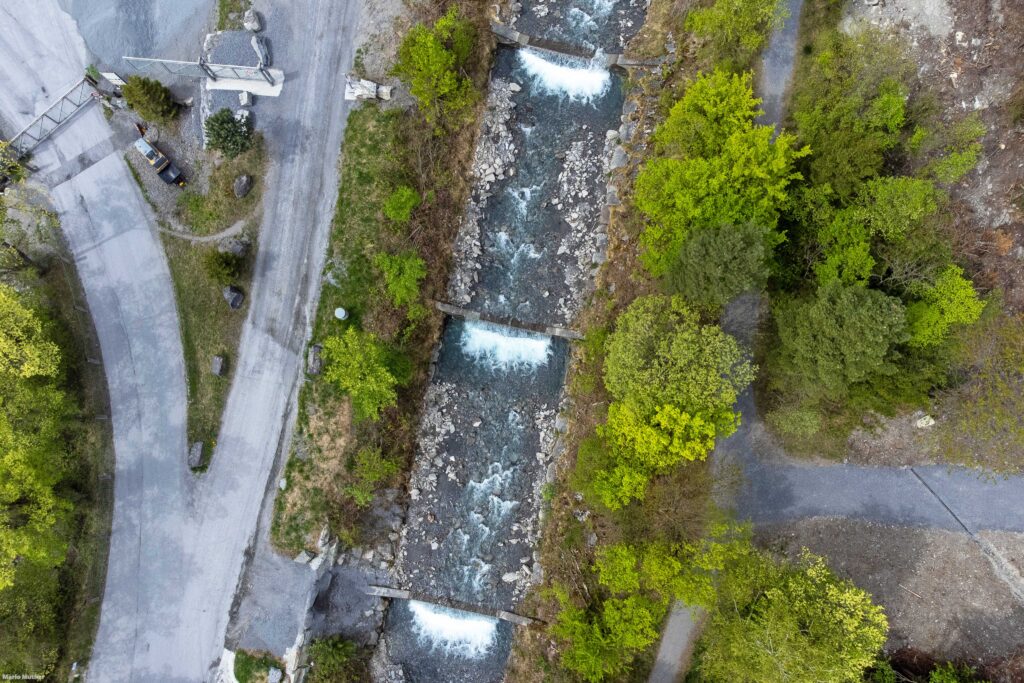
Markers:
503,348
574,78
459,633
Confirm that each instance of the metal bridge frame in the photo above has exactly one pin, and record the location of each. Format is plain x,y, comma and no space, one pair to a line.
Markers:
198,69
55,116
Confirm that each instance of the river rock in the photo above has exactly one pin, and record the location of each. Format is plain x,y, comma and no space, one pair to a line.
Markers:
510,577
242,185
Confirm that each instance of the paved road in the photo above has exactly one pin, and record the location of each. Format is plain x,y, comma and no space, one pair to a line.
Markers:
182,640
121,263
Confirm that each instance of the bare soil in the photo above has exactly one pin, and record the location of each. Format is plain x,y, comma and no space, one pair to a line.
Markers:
941,594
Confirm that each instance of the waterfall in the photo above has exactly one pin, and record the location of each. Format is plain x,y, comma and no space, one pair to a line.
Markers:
503,348
455,632
572,77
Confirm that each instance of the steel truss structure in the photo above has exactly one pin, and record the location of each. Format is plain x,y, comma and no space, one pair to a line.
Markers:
59,113
199,69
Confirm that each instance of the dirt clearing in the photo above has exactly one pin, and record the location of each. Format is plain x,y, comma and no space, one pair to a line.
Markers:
943,598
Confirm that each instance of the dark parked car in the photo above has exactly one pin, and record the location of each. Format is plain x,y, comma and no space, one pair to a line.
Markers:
167,171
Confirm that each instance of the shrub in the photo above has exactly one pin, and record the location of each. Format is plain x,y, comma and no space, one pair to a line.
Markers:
950,301
400,204
223,267
228,134
369,469
402,276
150,98
335,660
432,61
357,363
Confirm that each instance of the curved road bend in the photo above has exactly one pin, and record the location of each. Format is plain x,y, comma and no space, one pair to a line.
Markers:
121,263
313,41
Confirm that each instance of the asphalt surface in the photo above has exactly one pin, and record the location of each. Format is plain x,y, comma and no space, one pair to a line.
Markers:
141,28
179,543
112,235
314,43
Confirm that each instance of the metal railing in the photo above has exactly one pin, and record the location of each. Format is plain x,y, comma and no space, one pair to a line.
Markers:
58,113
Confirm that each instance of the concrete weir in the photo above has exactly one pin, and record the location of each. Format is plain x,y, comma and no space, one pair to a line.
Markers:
402,594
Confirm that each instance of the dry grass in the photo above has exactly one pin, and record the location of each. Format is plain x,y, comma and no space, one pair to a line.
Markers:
219,208
208,328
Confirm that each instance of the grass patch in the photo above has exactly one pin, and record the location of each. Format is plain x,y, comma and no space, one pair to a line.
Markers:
219,208
383,151
225,8
208,328
253,667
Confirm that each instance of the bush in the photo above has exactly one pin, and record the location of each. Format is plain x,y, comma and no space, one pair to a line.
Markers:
433,61
950,301
951,673
227,134
401,203
250,668
150,98
369,469
357,363
402,276
335,660
223,267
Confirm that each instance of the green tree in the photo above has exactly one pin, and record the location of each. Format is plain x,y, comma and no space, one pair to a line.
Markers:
357,364
660,355
150,98
33,415
674,382
25,347
227,133
734,30
775,622
402,276
432,61
400,204
842,336
717,168
950,301
892,205
717,263
848,105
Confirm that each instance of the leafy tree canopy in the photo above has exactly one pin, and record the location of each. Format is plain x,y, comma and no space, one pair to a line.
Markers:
432,61
735,29
357,364
742,178
717,263
841,336
776,622
950,301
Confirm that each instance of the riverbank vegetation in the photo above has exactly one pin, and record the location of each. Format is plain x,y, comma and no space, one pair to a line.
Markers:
56,458
404,183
